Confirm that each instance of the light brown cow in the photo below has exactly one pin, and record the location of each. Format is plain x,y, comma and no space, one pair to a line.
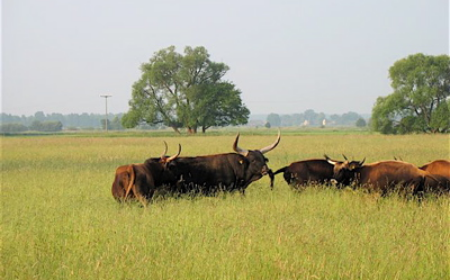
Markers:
440,169
141,180
382,176
121,182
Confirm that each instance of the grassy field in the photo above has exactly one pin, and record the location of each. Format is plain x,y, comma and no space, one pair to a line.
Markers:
59,220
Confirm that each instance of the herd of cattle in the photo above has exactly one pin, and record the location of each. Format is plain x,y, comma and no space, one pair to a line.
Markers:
229,172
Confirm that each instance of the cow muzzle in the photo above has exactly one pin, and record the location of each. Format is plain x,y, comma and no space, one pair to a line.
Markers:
265,170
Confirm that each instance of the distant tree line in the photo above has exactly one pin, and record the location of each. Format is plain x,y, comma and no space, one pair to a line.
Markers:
312,118
45,126
57,122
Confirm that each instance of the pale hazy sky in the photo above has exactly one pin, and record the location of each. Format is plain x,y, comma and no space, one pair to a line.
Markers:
331,56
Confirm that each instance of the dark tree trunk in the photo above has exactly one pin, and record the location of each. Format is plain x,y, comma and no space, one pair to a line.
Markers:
192,130
176,129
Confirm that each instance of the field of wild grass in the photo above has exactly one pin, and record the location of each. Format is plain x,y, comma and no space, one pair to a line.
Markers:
59,220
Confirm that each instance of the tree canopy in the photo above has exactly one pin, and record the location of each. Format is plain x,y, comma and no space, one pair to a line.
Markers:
187,91
420,101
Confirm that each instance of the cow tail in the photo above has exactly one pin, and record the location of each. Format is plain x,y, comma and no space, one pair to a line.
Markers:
131,173
280,170
272,178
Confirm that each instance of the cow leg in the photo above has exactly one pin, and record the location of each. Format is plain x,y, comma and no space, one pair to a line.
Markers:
418,188
139,196
244,188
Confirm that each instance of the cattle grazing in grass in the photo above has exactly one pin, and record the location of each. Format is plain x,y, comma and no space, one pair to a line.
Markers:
312,171
121,182
222,172
142,180
440,169
383,177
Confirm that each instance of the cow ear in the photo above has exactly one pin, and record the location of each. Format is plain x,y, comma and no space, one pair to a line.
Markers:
362,162
354,165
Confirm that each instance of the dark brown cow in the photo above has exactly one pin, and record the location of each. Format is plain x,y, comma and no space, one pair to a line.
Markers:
382,176
440,169
313,171
141,180
226,172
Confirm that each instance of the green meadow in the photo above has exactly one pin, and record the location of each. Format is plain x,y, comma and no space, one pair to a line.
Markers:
60,221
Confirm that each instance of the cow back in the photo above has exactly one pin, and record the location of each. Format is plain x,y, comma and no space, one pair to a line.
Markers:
314,170
384,175
438,167
209,172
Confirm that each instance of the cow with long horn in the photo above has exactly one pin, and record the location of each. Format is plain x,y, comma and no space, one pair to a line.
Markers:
222,172
142,180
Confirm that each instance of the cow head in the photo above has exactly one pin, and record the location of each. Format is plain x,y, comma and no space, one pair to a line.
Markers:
160,165
167,159
344,171
257,161
166,175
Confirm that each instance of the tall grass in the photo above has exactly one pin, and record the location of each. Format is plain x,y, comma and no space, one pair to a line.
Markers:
59,220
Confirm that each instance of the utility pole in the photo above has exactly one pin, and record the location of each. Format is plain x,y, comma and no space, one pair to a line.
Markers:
106,106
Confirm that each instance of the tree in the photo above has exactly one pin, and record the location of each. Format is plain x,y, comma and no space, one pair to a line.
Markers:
360,122
46,126
115,124
39,116
12,128
274,119
349,118
184,91
286,120
440,118
419,102
218,105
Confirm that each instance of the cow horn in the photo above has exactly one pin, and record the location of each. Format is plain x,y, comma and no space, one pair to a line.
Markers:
165,150
274,144
329,160
362,162
345,157
175,156
236,147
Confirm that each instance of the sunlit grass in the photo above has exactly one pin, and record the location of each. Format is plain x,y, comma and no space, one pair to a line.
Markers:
59,220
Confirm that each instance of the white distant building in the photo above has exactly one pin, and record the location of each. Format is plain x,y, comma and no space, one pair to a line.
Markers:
306,123
324,122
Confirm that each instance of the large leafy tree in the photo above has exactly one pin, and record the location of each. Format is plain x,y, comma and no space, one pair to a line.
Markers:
185,90
420,101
